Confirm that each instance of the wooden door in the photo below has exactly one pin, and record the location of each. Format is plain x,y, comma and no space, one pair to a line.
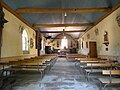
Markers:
92,49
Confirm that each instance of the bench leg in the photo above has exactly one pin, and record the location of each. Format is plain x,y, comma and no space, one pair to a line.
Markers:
75,64
88,76
106,86
41,74
100,85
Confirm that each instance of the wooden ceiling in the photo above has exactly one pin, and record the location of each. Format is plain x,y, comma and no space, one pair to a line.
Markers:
49,15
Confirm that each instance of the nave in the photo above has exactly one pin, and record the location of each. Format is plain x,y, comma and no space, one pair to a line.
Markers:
62,76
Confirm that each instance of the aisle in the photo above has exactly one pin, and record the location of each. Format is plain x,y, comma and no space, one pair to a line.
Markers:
62,76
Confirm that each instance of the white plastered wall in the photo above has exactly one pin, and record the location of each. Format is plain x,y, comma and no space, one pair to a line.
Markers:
12,37
110,25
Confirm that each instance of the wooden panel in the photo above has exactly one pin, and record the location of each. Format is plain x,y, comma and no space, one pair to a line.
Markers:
55,10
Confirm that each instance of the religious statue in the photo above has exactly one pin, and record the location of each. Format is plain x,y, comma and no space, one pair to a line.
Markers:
2,20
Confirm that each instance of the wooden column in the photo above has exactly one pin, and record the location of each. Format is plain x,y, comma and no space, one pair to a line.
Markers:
0,40
0,27
38,42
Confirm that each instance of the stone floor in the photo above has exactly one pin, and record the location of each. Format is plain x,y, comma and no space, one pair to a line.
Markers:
62,76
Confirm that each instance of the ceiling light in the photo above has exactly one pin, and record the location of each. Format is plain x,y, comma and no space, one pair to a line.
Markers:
64,37
65,14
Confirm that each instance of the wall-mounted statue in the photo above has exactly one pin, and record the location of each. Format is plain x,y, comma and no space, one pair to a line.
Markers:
2,20
106,42
118,19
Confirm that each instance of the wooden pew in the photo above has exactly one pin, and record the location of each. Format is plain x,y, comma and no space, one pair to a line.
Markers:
28,64
3,66
97,68
74,56
25,66
78,60
34,63
109,80
86,62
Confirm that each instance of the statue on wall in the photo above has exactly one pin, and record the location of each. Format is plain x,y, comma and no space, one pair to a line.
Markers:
105,36
118,19
106,42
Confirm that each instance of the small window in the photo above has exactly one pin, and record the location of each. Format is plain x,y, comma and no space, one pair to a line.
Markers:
25,46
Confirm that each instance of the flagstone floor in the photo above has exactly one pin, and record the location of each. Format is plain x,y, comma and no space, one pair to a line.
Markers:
62,76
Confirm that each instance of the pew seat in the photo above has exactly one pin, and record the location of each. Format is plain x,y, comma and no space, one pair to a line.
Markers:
111,79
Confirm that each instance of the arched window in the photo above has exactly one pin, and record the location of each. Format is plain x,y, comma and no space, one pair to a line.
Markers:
64,43
25,42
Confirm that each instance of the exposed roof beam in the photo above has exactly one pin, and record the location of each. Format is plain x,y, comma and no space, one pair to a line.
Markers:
59,10
14,13
62,31
104,16
67,38
60,25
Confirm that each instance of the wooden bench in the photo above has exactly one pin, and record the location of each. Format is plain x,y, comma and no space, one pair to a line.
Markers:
26,66
74,56
83,64
42,64
110,80
90,68
78,60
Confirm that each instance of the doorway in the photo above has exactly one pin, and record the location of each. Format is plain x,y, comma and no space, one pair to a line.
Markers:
92,49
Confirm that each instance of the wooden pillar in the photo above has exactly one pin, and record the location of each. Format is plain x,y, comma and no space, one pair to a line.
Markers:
0,40
38,42
0,27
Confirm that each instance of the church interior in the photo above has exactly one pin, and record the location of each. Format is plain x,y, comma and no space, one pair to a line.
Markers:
59,45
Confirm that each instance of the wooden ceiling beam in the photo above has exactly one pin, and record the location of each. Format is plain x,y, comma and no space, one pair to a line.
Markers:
73,31
59,10
4,5
67,38
60,25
